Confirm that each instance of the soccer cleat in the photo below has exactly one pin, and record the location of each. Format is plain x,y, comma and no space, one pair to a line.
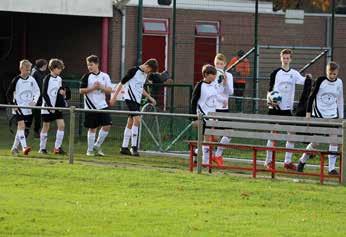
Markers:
218,160
98,151
134,151
43,151
90,153
26,150
300,167
290,166
58,151
15,151
125,151
333,172
268,165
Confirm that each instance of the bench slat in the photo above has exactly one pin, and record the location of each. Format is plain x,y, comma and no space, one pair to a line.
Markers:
273,136
274,127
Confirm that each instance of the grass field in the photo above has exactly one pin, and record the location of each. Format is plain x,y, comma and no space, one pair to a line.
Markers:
125,196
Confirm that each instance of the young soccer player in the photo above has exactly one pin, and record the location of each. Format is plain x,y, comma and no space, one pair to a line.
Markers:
94,86
204,100
284,80
38,72
52,93
224,86
23,91
134,81
326,101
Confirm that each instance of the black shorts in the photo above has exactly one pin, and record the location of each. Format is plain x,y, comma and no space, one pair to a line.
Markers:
95,120
26,118
133,106
47,118
279,112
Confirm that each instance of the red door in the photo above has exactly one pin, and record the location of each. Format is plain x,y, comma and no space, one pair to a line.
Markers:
205,51
155,47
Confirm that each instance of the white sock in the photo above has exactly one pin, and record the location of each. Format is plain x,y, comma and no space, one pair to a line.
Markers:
91,140
332,158
58,139
219,150
101,138
21,137
304,158
205,155
288,155
16,142
134,137
269,156
43,140
127,136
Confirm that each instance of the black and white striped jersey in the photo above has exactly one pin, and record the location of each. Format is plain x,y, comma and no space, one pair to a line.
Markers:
95,99
51,85
134,82
285,83
327,99
223,90
22,92
205,98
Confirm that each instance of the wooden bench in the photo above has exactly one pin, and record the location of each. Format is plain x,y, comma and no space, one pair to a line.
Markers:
275,128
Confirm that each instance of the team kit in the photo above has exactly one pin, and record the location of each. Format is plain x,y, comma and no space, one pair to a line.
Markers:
211,94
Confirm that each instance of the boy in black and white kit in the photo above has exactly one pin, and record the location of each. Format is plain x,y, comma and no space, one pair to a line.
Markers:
94,86
224,87
284,80
134,81
23,91
51,92
326,101
204,100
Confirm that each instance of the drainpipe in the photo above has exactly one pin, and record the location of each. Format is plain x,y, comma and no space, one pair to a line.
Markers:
104,46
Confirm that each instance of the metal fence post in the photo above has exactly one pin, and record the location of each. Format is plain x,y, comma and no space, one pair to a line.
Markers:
199,143
72,132
343,165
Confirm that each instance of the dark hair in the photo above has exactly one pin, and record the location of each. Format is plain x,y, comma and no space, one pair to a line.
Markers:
286,51
41,62
208,69
332,66
92,59
153,64
240,53
56,63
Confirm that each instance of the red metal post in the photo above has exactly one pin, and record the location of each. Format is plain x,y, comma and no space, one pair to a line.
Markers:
273,164
321,168
104,46
191,157
254,160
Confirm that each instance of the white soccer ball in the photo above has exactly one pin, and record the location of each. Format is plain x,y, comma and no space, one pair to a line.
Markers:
274,97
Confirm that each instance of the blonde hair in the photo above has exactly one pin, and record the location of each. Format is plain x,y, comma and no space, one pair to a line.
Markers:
25,63
332,66
221,57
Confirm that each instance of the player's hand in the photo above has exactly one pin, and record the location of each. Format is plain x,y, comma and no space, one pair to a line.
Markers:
224,104
152,100
62,92
97,85
32,103
308,75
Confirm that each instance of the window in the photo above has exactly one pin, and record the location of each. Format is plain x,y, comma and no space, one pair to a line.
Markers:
207,29
155,26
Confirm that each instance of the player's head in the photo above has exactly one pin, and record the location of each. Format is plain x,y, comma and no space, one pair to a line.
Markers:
332,70
151,65
25,67
93,63
41,64
220,61
209,72
56,66
286,56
